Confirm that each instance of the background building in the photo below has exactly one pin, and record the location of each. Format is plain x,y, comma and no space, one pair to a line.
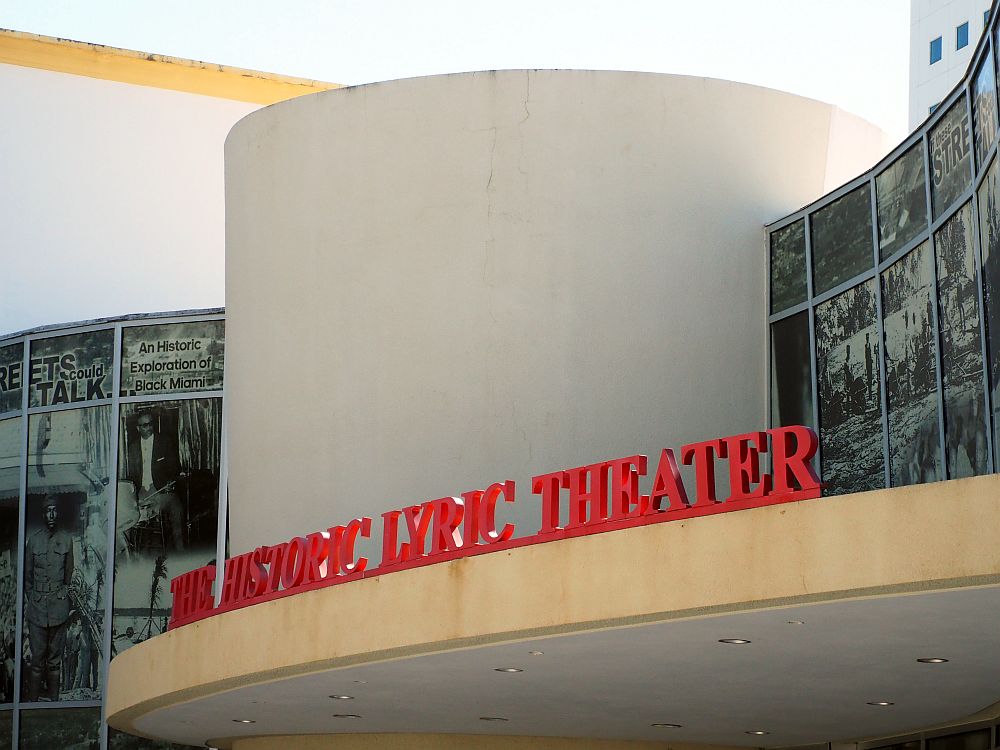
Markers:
943,34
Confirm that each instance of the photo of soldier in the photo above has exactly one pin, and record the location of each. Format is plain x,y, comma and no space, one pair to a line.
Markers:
66,517
849,395
989,233
911,370
902,202
961,358
842,239
10,488
788,266
167,508
951,157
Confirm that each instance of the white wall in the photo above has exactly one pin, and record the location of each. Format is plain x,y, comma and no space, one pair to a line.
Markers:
929,19
437,283
112,198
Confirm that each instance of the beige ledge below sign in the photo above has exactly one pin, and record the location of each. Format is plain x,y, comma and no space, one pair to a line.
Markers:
923,554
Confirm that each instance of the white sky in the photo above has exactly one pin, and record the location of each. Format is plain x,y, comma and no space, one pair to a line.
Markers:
853,53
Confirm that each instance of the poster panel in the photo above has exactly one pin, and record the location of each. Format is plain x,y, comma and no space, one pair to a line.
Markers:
911,369
961,356
788,266
951,157
902,202
10,481
984,107
842,239
168,500
61,728
989,234
791,383
850,418
66,519
172,358
71,369
11,376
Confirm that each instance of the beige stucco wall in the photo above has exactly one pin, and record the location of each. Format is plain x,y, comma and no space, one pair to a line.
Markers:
437,283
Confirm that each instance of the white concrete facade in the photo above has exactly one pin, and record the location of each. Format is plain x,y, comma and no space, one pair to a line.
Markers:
483,276
113,197
930,19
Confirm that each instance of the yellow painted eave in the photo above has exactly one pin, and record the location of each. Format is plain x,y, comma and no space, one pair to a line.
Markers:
158,71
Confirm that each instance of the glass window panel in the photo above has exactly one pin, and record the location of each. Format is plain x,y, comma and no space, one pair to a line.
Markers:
911,370
6,730
950,157
961,355
842,239
850,418
984,108
977,740
11,376
46,729
167,509
121,741
935,50
902,202
989,234
962,36
910,745
71,369
791,384
66,517
10,489
788,266
172,358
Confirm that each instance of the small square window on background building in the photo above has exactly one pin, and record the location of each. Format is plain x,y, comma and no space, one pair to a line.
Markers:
935,50
962,36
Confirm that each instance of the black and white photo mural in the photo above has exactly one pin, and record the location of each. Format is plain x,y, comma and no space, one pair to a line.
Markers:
911,369
847,355
961,352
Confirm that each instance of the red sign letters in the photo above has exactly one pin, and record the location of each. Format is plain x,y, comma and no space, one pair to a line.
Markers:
602,496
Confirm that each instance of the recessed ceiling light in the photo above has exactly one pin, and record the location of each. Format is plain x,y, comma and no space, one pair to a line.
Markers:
342,697
244,721
508,669
492,718
536,653
795,622
666,726
932,660
881,703
346,716
757,732
737,641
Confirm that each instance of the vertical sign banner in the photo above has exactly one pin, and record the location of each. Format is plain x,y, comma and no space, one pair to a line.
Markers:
11,376
173,358
168,500
71,369
65,551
